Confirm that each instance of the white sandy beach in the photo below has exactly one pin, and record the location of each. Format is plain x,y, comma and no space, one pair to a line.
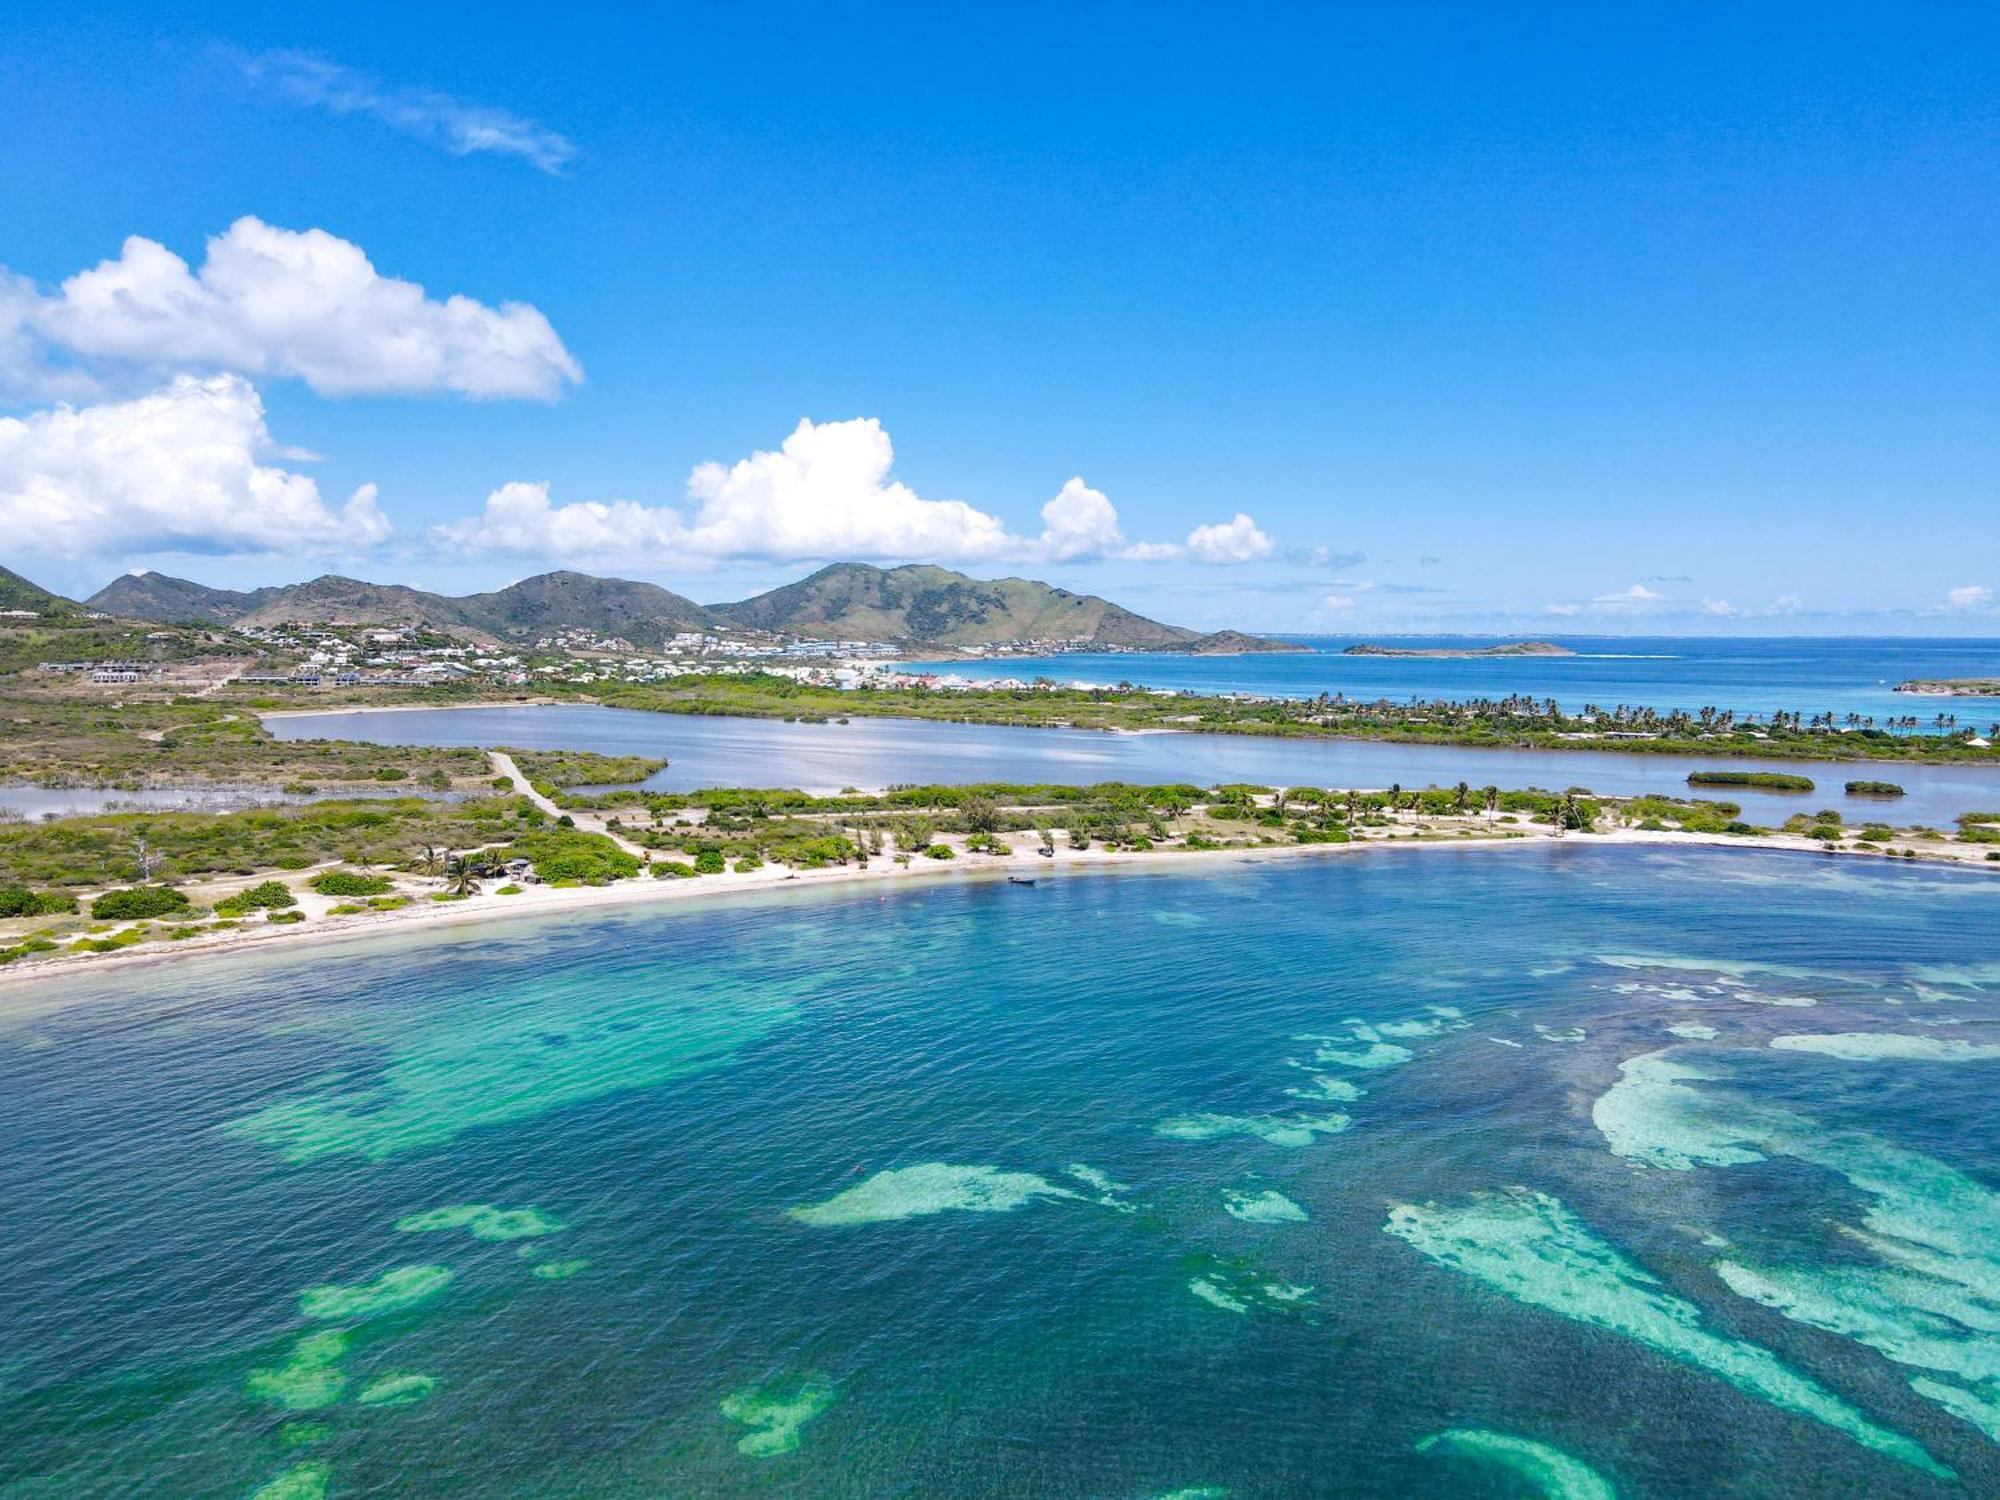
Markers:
424,914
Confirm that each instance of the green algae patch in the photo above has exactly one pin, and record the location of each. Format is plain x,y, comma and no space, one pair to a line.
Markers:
1292,1131
1928,1300
1214,1295
1362,1047
776,1411
478,1060
1886,1046
931,1187
303,1434
1237,1286
559,1270
300,1482
1109,1190
396,1390
1538,1468
392,1291
1530,1247
1323,1088
311,1379
1267,1207
483,1221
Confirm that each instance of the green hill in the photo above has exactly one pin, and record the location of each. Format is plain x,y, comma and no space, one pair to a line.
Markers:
17,593
937,607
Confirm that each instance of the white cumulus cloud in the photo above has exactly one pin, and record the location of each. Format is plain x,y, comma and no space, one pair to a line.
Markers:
178,469
1972,596
827,491
288,303
1234,541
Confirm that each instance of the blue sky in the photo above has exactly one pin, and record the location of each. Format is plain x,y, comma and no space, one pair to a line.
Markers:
1354,318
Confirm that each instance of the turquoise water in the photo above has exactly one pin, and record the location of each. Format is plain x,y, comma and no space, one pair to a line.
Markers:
1466,1172
1748,675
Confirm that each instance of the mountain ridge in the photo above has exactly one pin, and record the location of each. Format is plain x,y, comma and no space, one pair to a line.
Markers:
915,604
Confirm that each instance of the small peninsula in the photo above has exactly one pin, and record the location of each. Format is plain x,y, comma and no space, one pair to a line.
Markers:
1446,653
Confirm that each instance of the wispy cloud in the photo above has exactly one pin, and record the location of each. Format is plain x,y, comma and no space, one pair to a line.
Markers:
460,127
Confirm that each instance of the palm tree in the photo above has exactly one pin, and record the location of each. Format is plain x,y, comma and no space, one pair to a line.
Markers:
460,877
430,858
1491,797
1461,796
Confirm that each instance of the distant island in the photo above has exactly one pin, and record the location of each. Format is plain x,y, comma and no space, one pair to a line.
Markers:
1510,648
1952,687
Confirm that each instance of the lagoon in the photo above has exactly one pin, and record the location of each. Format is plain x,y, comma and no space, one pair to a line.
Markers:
871,753
846,1193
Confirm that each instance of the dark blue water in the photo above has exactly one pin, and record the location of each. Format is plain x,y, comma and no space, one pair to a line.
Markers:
705,751
1807,675
965,1190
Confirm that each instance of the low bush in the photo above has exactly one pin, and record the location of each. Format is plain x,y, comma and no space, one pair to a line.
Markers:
139,902
1763,781
709,862
284,918
272,895
1873,789
672,869
351,883
940,851
19,901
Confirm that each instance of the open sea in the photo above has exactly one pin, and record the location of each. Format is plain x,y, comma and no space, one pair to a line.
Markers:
1424,1173
1758,675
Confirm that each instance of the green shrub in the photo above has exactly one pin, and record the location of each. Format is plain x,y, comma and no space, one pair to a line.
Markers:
560,855
1873,789
19,901
708,862
1319,836
138,902
672,869
748,863
270,894
1767,781
351,883
940,851
284,918
1875,833
1825,833
508,890
388,903
345,909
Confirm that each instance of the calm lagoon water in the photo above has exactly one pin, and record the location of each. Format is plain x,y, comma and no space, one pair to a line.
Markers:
1808,675
1249,1180
704,752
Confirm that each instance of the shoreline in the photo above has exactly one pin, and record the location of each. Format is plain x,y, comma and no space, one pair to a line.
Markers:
423,916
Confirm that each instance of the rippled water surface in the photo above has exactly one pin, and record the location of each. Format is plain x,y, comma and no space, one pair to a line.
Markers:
1423,1173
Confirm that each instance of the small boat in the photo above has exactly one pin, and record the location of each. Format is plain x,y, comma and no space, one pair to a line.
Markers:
1020,880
